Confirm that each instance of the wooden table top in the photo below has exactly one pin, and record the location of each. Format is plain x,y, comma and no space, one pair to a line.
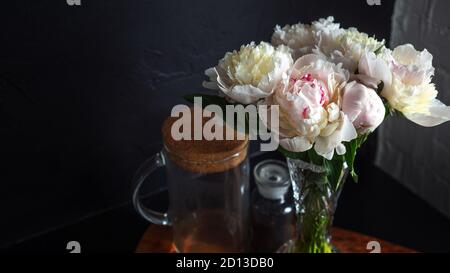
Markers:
158,239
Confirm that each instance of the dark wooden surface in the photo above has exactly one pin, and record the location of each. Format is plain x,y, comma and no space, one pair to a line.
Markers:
158,239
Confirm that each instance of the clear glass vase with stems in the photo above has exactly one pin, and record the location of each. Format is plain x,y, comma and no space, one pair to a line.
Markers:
315,198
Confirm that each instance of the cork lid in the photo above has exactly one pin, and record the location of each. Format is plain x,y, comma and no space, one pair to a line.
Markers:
204,156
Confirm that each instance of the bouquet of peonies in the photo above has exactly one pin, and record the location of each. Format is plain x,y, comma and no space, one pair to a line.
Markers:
333,87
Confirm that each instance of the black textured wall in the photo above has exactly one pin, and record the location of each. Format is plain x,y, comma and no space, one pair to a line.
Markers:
84,89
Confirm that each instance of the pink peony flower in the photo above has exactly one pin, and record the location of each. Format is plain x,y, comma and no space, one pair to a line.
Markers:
309,108
363,107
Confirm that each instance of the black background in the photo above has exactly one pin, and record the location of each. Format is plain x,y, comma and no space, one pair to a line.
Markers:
84,90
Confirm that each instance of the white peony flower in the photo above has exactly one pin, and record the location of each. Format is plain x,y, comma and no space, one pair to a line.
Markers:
354,44
375,69
327,34
344,46
418,103
411,66
250,74
303,38
363,106
407,75
410,99
326,37
298,37
309,108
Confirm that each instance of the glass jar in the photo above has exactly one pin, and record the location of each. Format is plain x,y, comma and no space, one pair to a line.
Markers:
208,184
273,214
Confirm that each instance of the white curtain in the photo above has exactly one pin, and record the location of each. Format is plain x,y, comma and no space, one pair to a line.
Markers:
420,157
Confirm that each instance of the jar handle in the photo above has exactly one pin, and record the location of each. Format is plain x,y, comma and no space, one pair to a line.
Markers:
148,167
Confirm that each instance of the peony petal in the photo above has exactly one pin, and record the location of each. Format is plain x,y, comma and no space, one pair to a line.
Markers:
329,129
210,85
347,132
375,67
308,60
412,66
323,146
222,78
340,149
296,144
245,94
367,80
211,72
329,155
212,75
439,113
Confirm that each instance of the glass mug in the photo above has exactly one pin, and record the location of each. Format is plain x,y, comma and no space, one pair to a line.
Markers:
208,184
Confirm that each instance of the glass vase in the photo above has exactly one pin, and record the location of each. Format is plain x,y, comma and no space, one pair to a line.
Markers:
315,203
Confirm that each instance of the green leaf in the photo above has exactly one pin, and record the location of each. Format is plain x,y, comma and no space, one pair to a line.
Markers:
315,159
389,110
378,50
352,148
350,158
334,169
